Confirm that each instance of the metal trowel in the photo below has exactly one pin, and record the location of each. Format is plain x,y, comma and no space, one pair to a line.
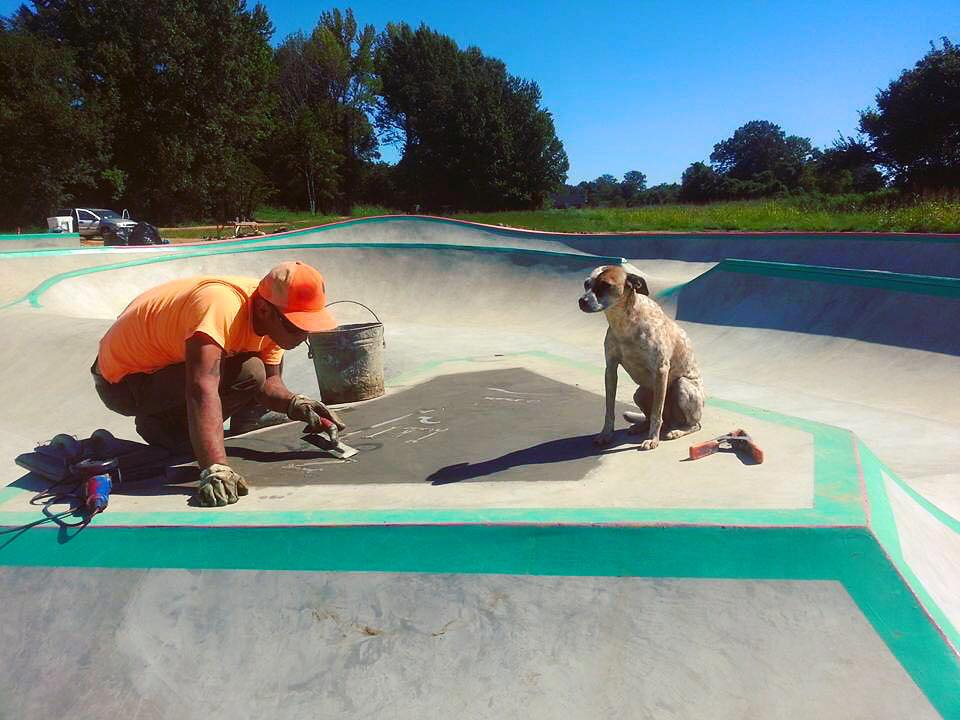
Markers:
329,441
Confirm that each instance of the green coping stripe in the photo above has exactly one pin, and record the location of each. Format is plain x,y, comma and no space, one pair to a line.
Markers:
512,233
837,494
944,517
33,297
896,282
39,236
884,527
850,556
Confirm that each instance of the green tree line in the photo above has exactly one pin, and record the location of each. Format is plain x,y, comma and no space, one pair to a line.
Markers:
910,141
182,109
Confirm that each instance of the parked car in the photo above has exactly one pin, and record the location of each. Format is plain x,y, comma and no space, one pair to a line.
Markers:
88,221
113,227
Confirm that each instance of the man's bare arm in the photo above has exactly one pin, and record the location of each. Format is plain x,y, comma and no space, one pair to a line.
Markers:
275,394
204,411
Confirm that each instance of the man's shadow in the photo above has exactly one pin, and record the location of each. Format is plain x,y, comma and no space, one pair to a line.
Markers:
552,451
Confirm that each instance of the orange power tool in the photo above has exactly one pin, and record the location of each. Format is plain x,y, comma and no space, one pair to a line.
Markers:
737,441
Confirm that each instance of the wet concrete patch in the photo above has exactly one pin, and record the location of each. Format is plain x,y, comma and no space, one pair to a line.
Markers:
489,426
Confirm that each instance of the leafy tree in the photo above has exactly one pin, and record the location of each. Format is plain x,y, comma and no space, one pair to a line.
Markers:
379,185
661,194
50,152
345,64
632,186
472,136
760,146
914,128
183,85
606,192
849,165
699,183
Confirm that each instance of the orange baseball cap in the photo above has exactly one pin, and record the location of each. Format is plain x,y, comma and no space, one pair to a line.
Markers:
298,292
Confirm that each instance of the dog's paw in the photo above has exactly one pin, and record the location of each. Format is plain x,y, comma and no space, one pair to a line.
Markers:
604,438
642,428
680,432
649,444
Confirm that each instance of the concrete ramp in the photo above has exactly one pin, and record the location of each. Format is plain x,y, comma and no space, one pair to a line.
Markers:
479,556
909,311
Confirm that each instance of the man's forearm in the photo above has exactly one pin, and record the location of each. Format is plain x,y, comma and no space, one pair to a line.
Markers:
205,418
275,395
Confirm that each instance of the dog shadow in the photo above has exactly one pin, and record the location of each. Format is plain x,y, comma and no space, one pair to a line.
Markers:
552,451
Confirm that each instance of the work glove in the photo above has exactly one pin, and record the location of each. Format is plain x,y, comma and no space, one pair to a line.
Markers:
310,411
219,486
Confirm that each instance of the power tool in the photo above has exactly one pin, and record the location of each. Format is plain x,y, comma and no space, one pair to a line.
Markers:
96,479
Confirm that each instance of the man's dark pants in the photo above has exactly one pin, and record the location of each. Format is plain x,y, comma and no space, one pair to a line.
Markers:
158,401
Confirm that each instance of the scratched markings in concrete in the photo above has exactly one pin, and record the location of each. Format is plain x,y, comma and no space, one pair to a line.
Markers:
507,424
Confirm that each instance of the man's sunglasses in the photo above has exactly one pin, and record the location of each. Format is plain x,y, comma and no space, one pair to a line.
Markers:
287,325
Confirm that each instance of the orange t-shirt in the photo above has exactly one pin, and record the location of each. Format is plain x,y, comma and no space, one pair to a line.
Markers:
152,331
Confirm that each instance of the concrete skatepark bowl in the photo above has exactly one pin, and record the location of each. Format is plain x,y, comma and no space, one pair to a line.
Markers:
479,557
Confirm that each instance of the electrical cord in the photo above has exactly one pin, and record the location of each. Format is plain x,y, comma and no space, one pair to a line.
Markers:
47,498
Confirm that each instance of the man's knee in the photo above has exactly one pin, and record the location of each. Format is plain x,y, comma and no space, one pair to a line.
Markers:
250,376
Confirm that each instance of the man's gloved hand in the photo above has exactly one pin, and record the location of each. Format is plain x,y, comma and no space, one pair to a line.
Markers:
310,411
219,486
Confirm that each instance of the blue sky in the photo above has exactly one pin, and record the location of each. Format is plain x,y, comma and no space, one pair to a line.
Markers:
651,86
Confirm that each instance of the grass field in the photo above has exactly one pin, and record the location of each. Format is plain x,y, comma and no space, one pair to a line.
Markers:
831,214
271,219
751,216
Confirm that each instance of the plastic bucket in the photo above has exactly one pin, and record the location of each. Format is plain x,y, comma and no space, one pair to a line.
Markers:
348,360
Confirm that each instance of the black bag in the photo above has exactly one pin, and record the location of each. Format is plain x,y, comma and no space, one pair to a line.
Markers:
146,234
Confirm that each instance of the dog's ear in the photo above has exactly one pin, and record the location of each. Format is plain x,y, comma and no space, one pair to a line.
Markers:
638,284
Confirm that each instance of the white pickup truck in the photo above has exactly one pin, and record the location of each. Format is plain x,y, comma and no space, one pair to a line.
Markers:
89,222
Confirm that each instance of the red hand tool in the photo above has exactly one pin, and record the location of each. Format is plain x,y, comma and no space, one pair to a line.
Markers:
737,441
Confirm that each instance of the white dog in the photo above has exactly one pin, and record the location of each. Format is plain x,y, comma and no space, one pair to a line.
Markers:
654,351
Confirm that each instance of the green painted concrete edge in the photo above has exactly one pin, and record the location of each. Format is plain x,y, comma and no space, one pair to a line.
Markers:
33,297
12,237
884,526
944,517
517,232
896,282
850,556
512,233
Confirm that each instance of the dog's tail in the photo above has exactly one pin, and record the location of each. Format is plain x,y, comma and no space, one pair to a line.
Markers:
634,417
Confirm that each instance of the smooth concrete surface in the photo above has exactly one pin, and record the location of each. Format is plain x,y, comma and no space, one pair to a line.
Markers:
496,438
178,644
467,309
869,306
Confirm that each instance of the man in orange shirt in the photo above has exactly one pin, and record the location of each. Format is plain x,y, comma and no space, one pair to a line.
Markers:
188,354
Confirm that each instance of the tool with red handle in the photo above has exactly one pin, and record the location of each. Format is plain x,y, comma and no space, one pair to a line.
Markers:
737,441
329,440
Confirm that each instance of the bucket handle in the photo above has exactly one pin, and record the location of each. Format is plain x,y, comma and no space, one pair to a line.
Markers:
337,302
